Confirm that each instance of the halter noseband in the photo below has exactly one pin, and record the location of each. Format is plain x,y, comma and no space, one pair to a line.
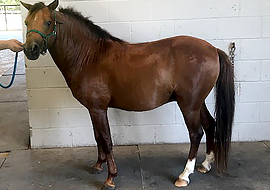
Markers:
46,37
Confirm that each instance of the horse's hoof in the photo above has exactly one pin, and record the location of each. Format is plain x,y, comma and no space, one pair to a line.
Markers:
202,169
181,183
105,187
95,170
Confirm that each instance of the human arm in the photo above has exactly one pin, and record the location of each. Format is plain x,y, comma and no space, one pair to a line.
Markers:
13,45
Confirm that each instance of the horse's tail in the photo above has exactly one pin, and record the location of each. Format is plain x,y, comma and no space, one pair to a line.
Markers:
224,111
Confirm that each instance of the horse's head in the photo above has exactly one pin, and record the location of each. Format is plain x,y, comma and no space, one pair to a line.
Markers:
41,28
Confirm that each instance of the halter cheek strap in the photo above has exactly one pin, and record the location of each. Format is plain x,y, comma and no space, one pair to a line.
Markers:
46,37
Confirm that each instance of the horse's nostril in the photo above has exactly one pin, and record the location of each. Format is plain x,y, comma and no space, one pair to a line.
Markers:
35,47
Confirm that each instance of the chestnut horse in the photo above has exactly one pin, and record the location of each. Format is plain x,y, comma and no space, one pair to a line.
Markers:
104,71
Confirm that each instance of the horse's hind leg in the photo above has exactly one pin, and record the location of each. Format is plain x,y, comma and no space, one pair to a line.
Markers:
192,119
208,124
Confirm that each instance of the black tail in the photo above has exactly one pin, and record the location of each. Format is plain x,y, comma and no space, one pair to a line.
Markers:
224,111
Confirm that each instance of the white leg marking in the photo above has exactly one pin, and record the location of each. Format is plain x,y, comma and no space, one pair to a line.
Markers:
189,169
208,160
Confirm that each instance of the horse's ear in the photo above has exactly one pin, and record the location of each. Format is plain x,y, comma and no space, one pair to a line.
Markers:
26,5
53,5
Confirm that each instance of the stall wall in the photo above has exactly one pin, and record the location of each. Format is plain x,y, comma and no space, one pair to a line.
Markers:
58,120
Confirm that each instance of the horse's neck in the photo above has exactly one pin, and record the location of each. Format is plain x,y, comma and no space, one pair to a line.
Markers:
72,49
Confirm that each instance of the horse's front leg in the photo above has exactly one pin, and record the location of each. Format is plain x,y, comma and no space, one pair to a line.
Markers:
103,136
97,168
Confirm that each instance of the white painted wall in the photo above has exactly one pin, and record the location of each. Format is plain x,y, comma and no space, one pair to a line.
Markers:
57,119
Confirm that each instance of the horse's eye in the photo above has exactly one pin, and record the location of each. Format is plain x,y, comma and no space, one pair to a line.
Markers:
48,23
25,23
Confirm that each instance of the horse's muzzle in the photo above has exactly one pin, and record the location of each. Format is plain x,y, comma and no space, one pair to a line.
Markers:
32,51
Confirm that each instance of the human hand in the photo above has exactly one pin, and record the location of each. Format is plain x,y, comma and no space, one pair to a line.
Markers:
14,45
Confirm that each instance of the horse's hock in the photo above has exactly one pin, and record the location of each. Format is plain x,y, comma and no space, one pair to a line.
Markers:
58,120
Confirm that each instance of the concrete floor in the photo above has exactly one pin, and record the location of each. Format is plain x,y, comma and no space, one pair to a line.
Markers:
14,122
143,167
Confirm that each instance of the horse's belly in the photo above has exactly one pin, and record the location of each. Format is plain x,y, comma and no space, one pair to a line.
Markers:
138,107
140,100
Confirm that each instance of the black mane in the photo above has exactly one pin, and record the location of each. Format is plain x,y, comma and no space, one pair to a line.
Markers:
97,30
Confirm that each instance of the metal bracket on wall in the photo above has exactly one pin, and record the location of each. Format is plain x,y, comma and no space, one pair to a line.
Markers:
231,49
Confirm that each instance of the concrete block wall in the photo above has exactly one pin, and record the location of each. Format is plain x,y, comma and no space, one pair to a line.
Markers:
57,119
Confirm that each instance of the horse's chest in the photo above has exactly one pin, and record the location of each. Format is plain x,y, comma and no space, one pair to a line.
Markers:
91,91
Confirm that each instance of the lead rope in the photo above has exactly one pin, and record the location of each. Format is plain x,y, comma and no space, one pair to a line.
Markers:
13,74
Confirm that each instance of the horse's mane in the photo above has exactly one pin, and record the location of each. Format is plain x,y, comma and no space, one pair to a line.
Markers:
97,30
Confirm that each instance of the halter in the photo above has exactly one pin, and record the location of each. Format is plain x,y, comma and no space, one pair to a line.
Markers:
46,37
